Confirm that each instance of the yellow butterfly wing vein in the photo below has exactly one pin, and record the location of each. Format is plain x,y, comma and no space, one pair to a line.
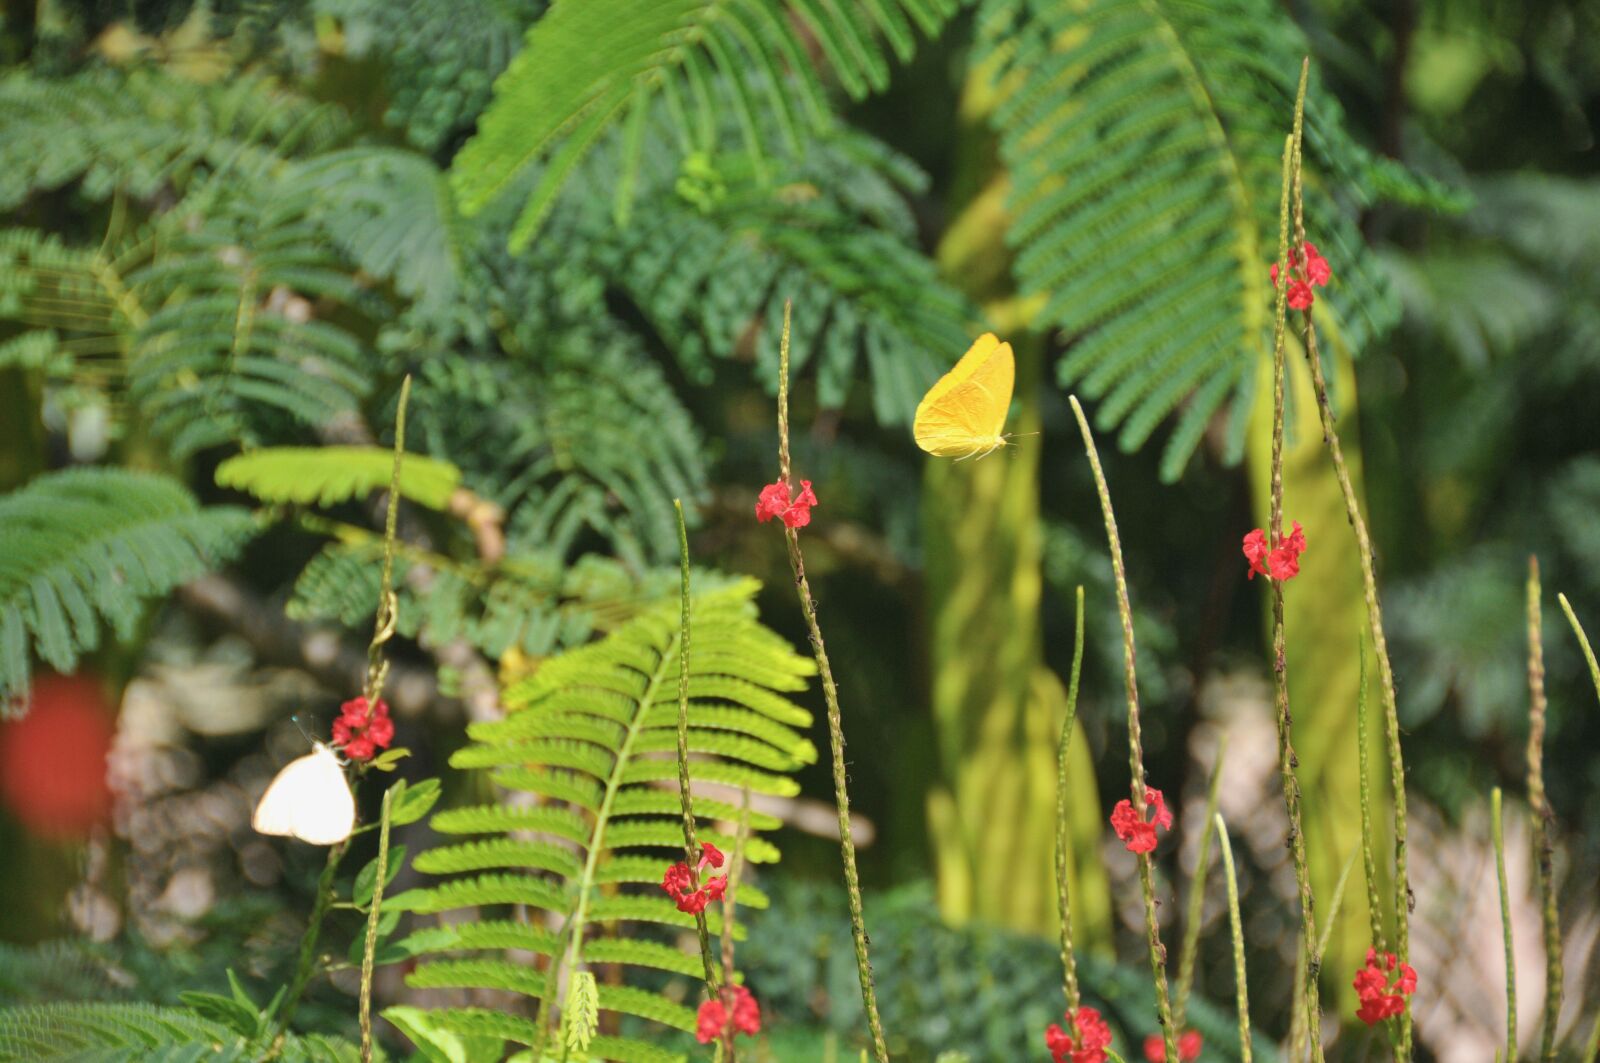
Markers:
963,413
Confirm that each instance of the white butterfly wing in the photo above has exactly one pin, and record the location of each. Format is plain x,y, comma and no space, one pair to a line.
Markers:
309,800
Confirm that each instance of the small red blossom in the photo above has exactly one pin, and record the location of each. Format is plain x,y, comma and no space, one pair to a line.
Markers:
775,502
710,856
1305,273
360,731
1280,562
1380,999
716,888
678,882
1138,833
712,1018
1189,1044
1089,1046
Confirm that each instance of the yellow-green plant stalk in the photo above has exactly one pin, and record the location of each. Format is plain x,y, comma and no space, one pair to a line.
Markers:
691,844
1287,761
1069,963
1497,831
1197,892
725,1051
1242,991
1369,580
369,954
1591,1048
1158,951
1543,817
1368,859
830,694
1583,641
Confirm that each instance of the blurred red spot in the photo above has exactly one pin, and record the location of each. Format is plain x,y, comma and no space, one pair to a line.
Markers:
53,760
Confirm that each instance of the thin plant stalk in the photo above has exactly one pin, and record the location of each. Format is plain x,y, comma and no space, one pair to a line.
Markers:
1069,963
1591,1048
691,844
1287,761
1197,892
725,1050
830,694
1543,817
369,954
1369,581
1368,859
1333,907
1297,1018
1497,831
1158,951
306,962
1583,641
1242,991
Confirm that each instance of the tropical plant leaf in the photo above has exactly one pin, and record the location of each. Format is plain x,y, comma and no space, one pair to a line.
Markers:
325,476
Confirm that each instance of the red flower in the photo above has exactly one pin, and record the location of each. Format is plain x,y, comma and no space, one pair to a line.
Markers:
1089,1046
710,855
678,882
1280,562
716,888
1189,1044
1300,296
1138,833
360,732
1314,273
774,502
53,760
1379,999
1318,272
712,1019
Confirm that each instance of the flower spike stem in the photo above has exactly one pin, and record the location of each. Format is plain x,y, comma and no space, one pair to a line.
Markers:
1197,892
1543,818
1287,761
1238,938
1369,579
830,693
1583,641
369,954
1158,951
691,844
1368,860
1069,963
1497,830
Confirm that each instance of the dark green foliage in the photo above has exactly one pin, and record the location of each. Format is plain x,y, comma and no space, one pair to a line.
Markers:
95,545
142,1033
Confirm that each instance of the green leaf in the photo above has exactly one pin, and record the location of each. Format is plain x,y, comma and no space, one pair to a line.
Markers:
411,802
367,877
241,1018
326,476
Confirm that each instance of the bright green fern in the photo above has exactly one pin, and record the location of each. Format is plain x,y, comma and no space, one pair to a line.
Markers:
92,545
593,735
329,475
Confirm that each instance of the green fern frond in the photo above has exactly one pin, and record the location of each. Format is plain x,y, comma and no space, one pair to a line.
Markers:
585,724
585,66
328,475
142,1033
87,546
1144,138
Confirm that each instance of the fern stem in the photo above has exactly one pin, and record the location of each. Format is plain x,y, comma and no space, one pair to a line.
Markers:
1158,951
369,954
1369,861
1242,990
1583,641
1287,761
830,694
1498,833
1069,963
691,845
735,870
1197,892
305,963
1543,817
1369,579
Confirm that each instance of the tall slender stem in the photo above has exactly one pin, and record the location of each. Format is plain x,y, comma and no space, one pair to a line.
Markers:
1287,761
1369,580
1197,892
1368,859
1242,991
370,952
830,694
691,844
1583,641
1497,831
1069,963
306,963
1158,951
1543,817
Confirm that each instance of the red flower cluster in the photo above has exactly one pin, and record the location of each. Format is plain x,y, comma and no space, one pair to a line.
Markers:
1302,278
1189,1044
712,1018
1379,999
774,502
1094,1037
1138,833
1280,562
360,731
679,882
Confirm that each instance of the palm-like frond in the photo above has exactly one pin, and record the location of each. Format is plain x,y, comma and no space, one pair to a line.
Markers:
92,545
584,67
328,475
593,735
1144,139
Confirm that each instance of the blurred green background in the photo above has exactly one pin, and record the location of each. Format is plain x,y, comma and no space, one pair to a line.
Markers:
238,225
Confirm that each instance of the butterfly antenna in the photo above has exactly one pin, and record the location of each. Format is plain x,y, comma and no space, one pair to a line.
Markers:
295,719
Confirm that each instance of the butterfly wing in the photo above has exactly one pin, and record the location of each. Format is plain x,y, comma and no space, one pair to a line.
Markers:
964,412
309,800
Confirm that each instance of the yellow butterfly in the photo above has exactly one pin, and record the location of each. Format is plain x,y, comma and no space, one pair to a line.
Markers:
961,416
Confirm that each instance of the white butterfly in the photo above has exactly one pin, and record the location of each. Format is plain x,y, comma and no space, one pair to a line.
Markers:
309,800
